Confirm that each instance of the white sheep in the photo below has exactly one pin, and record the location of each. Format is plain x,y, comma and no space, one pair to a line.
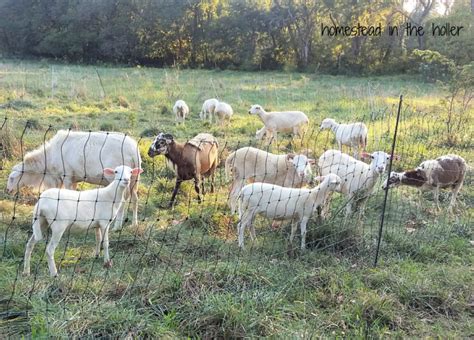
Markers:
353,135
285,121
208,108
252,164
71,157
358,178
223,111
63,209
281,203
181,110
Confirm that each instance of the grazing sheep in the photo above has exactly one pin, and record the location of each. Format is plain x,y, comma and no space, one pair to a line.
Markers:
181,110
353,135
223,112
193,159
71,157
286,121
208,108
63,209
281,203
252,164
445,172
358,178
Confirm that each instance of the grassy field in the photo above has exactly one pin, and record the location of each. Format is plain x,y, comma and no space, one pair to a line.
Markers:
180,273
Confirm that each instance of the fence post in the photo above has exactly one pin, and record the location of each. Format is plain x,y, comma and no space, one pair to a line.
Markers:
382,218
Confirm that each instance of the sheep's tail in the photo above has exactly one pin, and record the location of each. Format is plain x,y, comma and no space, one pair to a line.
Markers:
37,224
229,162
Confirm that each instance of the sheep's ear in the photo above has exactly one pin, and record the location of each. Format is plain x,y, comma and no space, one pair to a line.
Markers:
319,178
365,155
109,171
136,171
290,156
311,161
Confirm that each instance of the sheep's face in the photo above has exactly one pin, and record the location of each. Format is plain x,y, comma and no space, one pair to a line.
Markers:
14,179
302,166
395,179
19,178
260,133
123,174
255,110
327,123
160,145
333,182
379,162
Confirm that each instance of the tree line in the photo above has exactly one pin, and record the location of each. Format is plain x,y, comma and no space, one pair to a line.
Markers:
231,34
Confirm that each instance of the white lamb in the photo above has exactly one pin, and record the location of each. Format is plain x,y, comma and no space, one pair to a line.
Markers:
252,164
285,121
358,178
281,203
208,108
223,111
71,157
181,110
353,135
63,209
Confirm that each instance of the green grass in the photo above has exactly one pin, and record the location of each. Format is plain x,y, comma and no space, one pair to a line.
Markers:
180,273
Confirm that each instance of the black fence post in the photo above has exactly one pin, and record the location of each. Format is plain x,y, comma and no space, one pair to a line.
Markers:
386,188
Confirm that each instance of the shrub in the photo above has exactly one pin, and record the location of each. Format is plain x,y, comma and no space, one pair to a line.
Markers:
433,66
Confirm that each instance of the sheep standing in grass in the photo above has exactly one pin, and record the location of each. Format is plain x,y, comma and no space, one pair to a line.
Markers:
281,203
181,110
285,121
208,108
353,135
63,209
252,164
223,112
445,172
71,157
358,178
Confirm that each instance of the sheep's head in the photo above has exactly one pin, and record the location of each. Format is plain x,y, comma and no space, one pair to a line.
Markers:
379,161
123,174
327,123
260,133
395,179
333,181
160,144
20,177
256,110
302,166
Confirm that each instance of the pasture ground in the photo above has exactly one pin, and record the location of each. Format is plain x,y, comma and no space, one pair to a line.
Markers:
180,273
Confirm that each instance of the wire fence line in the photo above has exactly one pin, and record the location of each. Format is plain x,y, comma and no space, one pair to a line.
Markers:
177,241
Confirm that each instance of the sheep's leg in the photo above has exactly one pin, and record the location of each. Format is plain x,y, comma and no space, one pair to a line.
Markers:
197,181
120,212
303,224
135,204
213,176
233,194
105,242
454,195
69,184
29,249
436,197
245,220
356,150
253,235
175,191
57,233
98,241
294,225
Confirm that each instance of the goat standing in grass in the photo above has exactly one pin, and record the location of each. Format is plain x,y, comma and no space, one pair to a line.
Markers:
193,159
63,209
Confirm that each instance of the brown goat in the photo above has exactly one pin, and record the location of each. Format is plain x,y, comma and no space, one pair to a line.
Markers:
191,160
445,172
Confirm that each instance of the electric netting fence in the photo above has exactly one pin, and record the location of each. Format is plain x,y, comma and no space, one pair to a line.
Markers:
162,246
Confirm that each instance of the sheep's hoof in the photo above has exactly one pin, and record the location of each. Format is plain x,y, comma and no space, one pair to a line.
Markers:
108,264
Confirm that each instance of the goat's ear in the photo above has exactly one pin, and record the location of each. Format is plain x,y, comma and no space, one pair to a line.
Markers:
290,156
311,161
319,178
137,171
365,155
109,171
